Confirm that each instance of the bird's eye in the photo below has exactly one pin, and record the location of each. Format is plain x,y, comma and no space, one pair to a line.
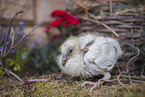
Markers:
70,50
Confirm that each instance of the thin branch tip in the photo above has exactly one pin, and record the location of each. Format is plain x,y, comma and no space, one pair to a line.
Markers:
19,12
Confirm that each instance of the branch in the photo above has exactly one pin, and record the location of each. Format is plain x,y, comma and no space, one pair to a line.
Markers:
130,79
132,59
110,7
9,30
14,46
13,38
38,80
4,52
118,79
100,23
24,36
12,73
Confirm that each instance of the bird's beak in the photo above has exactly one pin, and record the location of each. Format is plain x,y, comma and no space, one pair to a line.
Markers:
64,59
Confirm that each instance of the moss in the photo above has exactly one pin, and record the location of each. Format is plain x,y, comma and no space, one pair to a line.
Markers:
136,91
63,89
66,88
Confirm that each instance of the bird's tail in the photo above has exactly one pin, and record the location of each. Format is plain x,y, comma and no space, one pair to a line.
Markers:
116,45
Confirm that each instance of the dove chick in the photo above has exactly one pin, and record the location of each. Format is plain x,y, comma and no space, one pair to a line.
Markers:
89,55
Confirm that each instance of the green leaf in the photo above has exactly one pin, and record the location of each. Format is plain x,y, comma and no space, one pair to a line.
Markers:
18,67
11,61
15,68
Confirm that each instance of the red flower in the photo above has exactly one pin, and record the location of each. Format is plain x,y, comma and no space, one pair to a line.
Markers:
55,36
58,13
56,23
64,25
65,20
46,30
70,19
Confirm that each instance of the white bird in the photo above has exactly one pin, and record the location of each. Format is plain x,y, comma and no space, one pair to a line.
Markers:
89,55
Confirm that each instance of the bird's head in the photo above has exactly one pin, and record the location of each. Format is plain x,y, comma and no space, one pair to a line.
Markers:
68,48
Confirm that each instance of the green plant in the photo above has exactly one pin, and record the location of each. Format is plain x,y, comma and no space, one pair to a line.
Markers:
9,41
18,57
44,58
17,60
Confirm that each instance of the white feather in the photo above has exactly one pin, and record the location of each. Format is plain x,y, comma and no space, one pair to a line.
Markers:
101,55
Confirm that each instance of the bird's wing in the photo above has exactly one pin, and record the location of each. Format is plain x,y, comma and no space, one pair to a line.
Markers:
86,40
101,55
116,45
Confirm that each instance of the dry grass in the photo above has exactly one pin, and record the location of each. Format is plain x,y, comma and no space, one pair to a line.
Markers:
66,89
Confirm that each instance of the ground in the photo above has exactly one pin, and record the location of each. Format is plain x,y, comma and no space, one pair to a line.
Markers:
63,88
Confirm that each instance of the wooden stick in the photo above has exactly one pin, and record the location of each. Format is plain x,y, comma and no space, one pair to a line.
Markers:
118,79
12,73
110,7
98,22
132,59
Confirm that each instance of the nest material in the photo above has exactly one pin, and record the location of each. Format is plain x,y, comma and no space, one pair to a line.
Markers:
127,23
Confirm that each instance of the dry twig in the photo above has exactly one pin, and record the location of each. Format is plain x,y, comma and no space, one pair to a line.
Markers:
132,59
5,52
110,7
118,79
12,47
100,23
130,79
9,30
10,72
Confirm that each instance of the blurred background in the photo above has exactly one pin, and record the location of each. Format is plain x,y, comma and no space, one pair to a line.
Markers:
38,52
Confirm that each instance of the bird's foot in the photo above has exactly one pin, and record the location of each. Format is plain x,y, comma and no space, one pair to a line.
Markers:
96,84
